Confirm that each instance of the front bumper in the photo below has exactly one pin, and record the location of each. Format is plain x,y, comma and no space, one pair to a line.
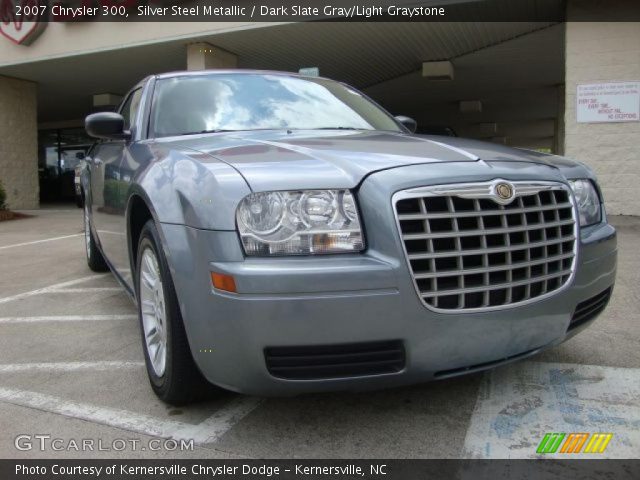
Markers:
345,299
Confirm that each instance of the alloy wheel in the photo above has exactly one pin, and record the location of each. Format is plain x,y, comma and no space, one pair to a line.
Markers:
87,232
152,307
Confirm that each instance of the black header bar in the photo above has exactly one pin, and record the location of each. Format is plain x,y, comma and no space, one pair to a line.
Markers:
318,469
318,10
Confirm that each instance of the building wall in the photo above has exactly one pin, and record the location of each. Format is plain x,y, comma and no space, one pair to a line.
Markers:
595,53
19,143
63,39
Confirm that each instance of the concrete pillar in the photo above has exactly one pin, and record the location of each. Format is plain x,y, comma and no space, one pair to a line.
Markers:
558,141
601,52
19,143
204,56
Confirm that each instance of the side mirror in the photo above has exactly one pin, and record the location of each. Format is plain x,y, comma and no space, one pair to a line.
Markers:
107,125
408,122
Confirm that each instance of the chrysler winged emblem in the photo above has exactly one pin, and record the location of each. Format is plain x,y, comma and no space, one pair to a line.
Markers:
504,191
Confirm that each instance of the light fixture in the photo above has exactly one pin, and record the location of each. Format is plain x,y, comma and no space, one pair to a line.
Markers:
437,70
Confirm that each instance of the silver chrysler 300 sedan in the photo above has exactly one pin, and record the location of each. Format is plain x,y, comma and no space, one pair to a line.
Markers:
284,234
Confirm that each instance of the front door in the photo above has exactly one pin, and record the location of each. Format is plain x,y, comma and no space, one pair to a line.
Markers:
108,192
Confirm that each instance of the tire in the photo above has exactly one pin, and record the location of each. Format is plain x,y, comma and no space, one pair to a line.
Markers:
95,260
176,380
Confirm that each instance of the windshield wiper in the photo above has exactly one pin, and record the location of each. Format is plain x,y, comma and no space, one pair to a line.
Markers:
338,128
217,130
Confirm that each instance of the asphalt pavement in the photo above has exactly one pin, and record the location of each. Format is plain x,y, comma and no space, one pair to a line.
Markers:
72,377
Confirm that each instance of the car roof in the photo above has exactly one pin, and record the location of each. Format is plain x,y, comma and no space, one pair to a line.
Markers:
235,71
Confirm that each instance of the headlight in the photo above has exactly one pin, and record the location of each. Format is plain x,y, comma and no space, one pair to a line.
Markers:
299,223
587,201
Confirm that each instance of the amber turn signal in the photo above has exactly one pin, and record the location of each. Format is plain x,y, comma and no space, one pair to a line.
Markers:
223,282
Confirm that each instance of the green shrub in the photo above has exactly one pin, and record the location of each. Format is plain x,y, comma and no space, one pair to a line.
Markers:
3,198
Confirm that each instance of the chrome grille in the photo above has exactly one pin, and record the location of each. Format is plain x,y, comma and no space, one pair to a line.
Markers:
468,252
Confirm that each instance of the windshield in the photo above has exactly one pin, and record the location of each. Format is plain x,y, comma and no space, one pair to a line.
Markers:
223,102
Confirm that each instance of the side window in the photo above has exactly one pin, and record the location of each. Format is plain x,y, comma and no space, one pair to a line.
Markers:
129,109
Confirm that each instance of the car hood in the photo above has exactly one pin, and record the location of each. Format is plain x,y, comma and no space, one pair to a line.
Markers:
278,160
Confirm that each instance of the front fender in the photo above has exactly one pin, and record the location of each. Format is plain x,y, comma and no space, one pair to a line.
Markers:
198,192
574,169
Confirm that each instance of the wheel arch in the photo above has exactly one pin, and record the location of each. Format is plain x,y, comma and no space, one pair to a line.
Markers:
139,211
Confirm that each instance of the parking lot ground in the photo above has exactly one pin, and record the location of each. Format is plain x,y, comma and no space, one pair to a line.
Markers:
71,367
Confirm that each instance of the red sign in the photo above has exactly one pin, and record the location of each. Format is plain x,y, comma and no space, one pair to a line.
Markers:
22,21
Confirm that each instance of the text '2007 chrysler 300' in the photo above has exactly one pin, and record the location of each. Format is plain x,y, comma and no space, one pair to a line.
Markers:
284,234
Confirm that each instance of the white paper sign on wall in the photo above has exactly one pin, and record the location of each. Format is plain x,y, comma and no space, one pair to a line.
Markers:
608,102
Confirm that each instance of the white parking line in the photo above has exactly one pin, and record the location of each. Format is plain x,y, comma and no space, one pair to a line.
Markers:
134,422
56,286
518,404
67,318
52,239
85,290
206,432
67,366
214,427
